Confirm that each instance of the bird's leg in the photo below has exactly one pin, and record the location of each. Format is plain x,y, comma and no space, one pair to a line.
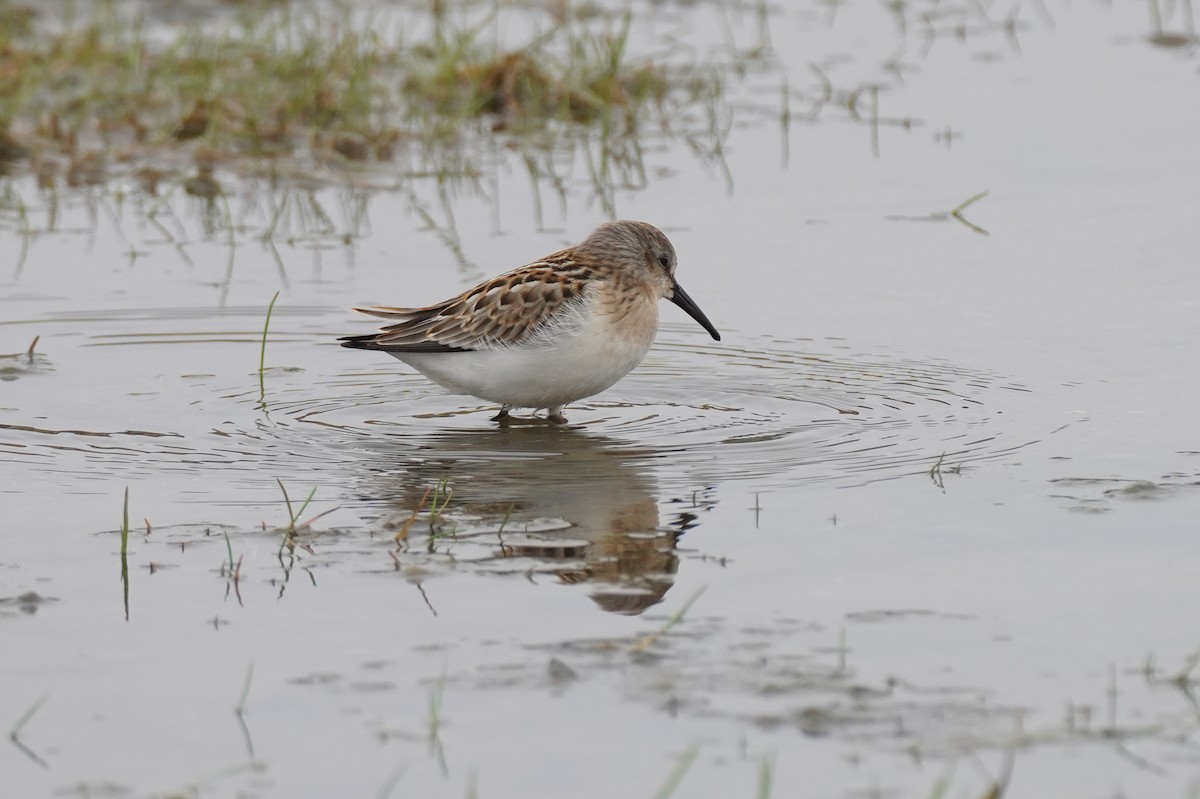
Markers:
500,417
556,415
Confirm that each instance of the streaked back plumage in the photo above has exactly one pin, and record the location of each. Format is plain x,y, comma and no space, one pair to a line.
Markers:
507,310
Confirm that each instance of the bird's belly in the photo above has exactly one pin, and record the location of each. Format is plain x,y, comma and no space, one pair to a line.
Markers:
546,375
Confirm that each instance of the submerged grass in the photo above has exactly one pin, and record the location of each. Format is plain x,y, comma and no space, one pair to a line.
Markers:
239,712
766,776
443,492
14,734
679,772
389,785
436,695
240,708
676,617
402,532
955,214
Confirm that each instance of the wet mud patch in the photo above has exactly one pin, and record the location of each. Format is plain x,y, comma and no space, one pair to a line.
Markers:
27,603
1102,494
786,676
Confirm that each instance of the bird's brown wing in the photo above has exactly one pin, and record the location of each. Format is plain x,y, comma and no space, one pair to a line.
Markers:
501,311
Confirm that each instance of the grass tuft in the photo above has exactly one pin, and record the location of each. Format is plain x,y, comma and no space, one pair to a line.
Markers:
341,87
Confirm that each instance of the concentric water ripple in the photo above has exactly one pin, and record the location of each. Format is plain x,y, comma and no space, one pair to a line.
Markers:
775,412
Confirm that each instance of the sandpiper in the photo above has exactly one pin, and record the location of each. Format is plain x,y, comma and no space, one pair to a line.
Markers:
547,333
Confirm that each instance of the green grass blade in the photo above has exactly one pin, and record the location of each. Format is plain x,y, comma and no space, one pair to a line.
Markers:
125,525
262,353
300,512
125,554
288,502
679,772
229,550
974,198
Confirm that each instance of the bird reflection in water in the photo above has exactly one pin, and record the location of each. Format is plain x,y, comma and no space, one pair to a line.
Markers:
583,507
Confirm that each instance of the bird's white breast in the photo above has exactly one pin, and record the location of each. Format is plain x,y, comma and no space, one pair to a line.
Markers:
585,349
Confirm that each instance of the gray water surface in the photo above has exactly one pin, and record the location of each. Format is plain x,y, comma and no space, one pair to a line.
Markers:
930,505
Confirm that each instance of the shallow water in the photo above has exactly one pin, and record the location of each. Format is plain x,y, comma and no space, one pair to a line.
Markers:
929,505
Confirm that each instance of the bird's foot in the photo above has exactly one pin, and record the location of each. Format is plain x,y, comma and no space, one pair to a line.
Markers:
502,417
556,415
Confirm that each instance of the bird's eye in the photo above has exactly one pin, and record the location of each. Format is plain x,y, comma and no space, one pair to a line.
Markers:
664,262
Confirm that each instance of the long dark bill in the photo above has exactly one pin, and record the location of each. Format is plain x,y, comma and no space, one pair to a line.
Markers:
681,298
